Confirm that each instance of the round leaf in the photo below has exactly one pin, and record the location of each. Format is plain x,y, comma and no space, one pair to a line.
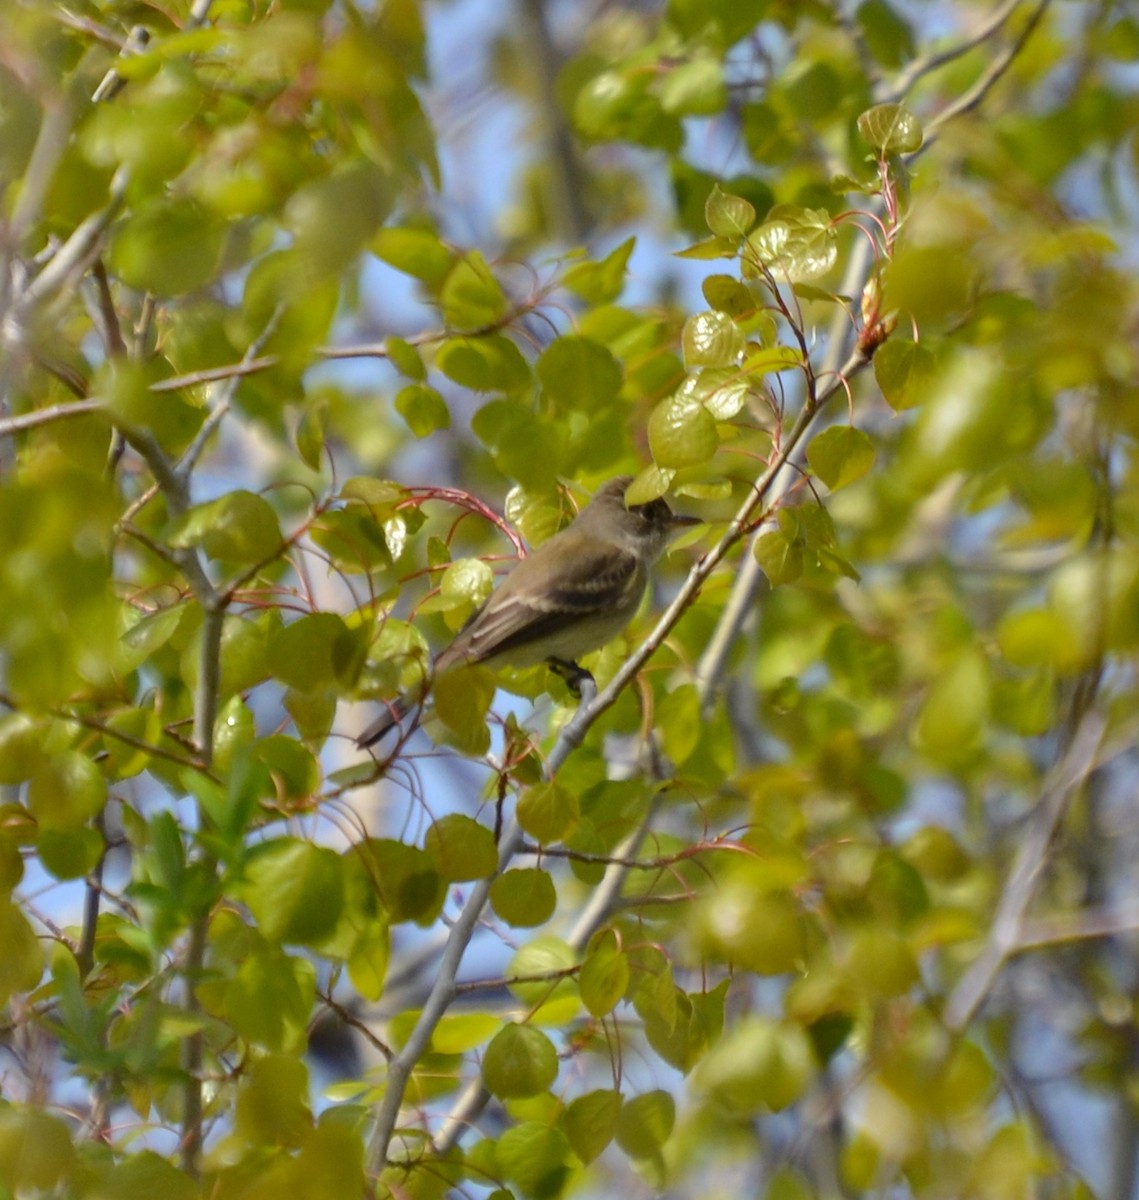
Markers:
840,455
520,1061
711,339
548,812
524,896
461,848
295,890
890,129
682,433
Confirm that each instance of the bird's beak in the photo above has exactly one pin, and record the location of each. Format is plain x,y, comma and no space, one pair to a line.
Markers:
681,520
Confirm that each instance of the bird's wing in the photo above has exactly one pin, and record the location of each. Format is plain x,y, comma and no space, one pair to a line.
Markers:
601,578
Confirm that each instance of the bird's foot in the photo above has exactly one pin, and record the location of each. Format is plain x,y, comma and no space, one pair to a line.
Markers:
575,677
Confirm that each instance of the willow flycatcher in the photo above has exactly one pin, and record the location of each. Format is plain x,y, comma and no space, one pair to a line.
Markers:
570,595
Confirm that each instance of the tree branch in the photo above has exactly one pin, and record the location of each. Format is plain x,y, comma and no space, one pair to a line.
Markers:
1007,933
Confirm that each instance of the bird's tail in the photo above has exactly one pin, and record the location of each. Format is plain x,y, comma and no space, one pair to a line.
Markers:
394,712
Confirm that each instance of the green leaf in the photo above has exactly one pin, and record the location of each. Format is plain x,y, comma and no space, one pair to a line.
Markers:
728,216
316,651
524,896
601,282
294,889
533,1156
722,390
406,358
758,1066
310,435
368,963
36,1153
471,297
270,999
682,433
888,36
22,962
167,247
21,746
694,89
489,363
890,129
650,484
416,252
466,583
406,880
423,408
779,557
590,1121
542,956
711,339
520,1061
548,812
840,455
461,1032
604,975
239,528
905,372
794,244
714,247
952,717
579,373
461,848
462,700
293,769
66,791
70,853
645,1123
272,1102
727,295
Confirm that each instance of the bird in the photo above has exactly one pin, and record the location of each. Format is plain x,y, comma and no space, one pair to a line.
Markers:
570,595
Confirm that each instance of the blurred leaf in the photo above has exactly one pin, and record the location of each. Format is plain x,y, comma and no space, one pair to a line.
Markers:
758,1066
295,890
534,1157
840,455
489,363
645,1123
604,974
694,88
520,1061
423,408
600,282
524,896
169,247
65,791
470,296
416,252
22,962
579,373
904,371
590,1122
682,433
461,848
548,812
239,528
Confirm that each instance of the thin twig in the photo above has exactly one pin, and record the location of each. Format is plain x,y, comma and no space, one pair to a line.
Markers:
443,990
1007,931
45,416
927,63
969,100
71,259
